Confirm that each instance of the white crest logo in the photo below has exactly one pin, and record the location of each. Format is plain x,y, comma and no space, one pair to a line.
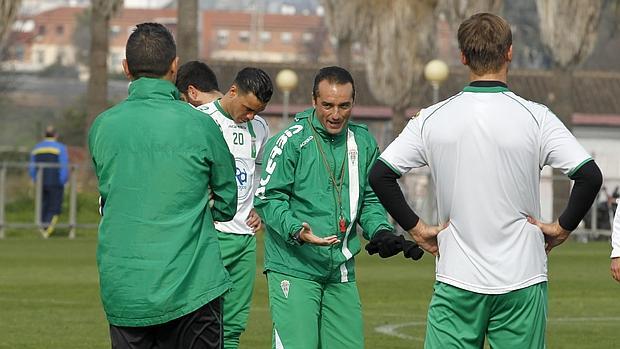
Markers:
285,285
353,156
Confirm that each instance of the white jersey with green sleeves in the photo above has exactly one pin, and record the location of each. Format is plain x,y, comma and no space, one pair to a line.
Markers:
246,142
485,148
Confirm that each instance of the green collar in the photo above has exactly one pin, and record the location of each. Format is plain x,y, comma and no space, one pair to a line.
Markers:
218,105
149,88
494,89
486,86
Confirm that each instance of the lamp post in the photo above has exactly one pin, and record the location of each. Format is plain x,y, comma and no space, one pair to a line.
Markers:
436,72
286,80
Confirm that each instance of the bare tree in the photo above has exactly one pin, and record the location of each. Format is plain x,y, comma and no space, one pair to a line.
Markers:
398,44
397,36
347,20
8,13
456,11
569,29
459,10
187,30
97,92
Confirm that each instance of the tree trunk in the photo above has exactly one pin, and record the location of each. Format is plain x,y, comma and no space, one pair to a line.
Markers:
562,106
187,30
399,120
97,92
8,12
343,53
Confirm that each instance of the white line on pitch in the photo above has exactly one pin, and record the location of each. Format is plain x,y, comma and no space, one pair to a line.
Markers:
392,329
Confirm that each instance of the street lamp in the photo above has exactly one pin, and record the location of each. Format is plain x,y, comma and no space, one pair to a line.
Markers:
436,72
286,80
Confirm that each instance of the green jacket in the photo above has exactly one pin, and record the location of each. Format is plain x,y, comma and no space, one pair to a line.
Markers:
296,187
158,253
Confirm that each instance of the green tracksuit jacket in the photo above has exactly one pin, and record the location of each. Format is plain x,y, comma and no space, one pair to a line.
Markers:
155,157
295,187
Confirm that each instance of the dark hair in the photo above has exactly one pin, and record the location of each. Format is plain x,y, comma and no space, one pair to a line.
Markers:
150,50
197,74
50,132
484,40
333,75
256,81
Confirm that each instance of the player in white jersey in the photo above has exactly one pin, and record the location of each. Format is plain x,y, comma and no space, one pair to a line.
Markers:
485,147
615,245
246,134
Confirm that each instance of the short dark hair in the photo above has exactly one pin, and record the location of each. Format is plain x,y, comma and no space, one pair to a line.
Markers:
484,40
150,50
197,74
333,75
254,80
50,131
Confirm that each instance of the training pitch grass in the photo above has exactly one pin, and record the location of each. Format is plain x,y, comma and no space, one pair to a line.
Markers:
49,297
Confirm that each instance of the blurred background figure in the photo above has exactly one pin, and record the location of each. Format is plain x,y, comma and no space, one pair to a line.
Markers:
49,159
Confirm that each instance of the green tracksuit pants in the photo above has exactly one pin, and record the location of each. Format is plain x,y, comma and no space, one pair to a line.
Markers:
462,319
239,257
308,314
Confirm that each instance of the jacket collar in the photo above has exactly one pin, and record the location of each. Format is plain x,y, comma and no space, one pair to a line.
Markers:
486,86
149,88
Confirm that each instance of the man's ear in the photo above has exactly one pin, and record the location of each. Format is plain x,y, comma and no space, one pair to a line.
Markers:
192,93
463,58
233,90
509,54
313,102
172,71
126,70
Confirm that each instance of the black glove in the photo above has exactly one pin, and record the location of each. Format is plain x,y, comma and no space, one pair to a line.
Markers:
412,250
385,243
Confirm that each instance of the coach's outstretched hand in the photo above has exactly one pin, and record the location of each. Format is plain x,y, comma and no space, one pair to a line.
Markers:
306,235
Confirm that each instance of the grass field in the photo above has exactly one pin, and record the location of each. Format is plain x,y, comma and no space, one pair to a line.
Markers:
49,297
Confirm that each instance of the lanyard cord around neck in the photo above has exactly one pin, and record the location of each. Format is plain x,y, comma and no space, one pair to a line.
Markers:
337,186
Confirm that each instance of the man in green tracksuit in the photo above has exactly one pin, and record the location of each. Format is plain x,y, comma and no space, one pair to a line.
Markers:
165,174
313,191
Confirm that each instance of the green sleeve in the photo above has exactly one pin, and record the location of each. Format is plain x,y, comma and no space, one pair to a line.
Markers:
222,179
372,216
272,200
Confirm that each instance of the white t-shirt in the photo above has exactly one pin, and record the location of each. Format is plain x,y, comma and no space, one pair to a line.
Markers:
246,142
615,234
485,148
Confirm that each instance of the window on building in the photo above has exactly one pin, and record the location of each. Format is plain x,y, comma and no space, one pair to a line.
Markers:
115,30
19,52
60,29
222,37
41,30
307,37
265,36
115,60
40,56
60,57
286,37
244,36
